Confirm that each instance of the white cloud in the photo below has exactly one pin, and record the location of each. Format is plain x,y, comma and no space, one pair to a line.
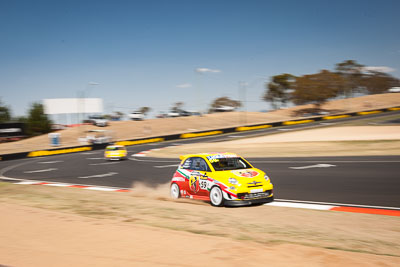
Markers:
185,85
202,70
378,68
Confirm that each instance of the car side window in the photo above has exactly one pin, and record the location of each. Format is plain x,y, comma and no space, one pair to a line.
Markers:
196,164
187,164
200,164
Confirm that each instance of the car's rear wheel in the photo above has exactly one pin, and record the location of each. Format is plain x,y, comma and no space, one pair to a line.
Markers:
175,191
216,197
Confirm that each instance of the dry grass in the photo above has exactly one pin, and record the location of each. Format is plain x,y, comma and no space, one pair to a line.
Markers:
263,224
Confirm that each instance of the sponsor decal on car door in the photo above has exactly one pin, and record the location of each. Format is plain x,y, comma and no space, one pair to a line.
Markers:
198,183
196,170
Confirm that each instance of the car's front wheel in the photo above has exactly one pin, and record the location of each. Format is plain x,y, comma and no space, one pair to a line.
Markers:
175,191
216,197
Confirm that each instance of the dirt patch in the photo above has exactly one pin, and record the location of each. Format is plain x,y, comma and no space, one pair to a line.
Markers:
358,133
330,141
73,227
291,149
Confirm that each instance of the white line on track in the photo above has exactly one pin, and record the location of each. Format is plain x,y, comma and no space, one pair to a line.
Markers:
166,166
152,160
104,163
300,205
88,153
99,175
336,204
50,162
313,166
27,182
100,188
94,158
25,161
308,203
59,185
235,136
45,170
317,161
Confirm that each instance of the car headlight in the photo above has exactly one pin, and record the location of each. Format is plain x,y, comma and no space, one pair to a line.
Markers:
266,178
232,181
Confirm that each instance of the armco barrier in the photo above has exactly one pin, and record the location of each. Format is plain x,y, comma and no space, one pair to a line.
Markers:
157,139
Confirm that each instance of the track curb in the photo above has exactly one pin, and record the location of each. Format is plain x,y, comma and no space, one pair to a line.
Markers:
374,210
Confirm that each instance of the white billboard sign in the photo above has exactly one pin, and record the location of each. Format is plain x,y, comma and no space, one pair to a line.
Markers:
72,105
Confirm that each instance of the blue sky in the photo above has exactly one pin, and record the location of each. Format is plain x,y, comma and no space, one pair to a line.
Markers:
144,53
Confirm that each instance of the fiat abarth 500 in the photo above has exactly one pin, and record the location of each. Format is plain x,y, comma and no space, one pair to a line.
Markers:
224,179
115,152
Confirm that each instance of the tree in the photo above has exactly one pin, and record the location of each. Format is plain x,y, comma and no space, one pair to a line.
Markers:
5,113
317,88
352,73
38,122
225,101
22,119
144,110
378,82
177,106
278,89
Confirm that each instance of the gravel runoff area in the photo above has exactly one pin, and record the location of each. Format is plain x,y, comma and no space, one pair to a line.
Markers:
329,141
48,226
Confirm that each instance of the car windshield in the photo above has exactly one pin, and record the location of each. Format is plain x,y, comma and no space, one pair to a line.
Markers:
96,117
223,164
115,148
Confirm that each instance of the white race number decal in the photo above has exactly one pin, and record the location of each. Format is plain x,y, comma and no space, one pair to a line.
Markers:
203,183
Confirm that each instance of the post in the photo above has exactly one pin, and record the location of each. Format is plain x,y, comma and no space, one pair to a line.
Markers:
242,99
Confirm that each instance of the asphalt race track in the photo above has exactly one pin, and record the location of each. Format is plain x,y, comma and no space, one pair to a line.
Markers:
373,181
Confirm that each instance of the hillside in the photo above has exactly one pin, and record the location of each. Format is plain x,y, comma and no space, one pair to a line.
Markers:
124,130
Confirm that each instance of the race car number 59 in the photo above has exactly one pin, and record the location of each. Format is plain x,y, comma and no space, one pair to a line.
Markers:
203,184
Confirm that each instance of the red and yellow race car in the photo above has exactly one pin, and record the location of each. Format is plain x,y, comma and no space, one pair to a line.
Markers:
224,179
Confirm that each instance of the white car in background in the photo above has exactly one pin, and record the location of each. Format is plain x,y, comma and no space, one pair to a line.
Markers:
95,137
136,116
224,109
98,120
173,114
394,90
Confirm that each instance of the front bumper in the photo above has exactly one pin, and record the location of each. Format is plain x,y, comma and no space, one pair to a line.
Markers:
238,203
115,157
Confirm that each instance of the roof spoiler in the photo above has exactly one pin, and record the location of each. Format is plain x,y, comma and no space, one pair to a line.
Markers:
181,157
